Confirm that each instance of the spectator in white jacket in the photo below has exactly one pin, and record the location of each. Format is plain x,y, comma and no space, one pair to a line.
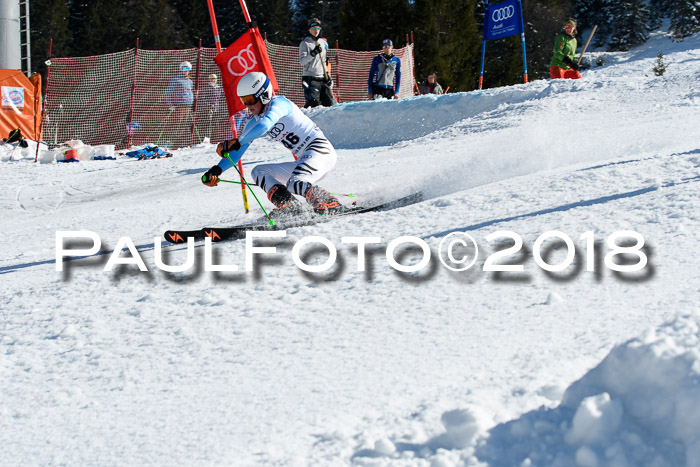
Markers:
315,78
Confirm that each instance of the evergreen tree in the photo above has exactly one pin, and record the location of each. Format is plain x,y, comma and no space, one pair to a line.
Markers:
589,13
631,24
659,9
325,10
274,19
49,21
365,23
685,18
660,67
447,42
100,27
191,23
153,22
604,18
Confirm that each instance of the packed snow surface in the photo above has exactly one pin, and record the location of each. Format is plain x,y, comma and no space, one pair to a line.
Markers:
362,363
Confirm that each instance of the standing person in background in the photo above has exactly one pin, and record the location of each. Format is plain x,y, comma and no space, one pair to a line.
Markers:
564,63
315,78
430,86
179,97
209,103
385,74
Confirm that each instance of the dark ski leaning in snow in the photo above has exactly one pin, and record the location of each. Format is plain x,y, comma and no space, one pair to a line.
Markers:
218,234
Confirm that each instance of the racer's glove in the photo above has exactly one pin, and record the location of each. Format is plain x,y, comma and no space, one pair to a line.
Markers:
211,176
227,146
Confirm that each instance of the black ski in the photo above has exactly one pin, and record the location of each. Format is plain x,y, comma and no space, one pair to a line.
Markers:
218,234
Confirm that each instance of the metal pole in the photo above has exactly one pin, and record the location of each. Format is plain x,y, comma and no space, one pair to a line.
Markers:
522,36
483,45
27,38
43,104
196,91
130,128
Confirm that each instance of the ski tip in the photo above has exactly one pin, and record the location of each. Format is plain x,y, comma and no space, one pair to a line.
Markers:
174,237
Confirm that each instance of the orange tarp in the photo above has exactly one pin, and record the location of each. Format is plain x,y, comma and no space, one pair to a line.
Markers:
21,104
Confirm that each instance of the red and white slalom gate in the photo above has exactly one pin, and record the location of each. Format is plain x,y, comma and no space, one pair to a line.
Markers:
120,98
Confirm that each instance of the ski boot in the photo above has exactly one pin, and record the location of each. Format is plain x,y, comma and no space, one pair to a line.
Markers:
322,202
286,205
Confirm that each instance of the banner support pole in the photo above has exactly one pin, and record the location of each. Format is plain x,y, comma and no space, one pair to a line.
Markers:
522,35
483,47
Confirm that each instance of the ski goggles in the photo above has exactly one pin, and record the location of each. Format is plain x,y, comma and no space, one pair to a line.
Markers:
249,100
185,68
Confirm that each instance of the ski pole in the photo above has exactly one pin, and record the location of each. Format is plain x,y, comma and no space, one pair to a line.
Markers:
349,195
587,42
161,131
251,190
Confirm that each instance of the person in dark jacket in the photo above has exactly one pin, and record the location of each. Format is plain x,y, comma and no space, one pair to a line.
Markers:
430,85
211,94
384,74
564,64
315,77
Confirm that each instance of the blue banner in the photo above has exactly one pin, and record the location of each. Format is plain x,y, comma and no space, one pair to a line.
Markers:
503,20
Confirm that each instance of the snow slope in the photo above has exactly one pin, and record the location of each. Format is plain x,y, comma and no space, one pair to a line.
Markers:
375,366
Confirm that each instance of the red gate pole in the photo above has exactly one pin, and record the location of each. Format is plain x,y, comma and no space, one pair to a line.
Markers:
43,104
234,132
130,126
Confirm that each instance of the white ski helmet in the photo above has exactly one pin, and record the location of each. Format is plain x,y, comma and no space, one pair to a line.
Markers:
255,84
185,66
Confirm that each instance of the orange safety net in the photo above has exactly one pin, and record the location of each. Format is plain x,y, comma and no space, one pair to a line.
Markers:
121,99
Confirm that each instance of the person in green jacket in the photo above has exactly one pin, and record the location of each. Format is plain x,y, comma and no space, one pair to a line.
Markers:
564,63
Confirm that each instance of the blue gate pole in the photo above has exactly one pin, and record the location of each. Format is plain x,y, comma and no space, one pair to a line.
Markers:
522,35
483,46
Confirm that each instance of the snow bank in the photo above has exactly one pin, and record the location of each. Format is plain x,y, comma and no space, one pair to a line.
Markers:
639,406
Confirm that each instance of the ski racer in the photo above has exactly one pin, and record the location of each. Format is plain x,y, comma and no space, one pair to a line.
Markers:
282,121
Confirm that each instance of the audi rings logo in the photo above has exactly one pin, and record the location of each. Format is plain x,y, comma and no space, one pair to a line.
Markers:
242,63
276,130
502,14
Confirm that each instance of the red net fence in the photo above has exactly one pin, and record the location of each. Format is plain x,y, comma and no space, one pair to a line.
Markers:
121,99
